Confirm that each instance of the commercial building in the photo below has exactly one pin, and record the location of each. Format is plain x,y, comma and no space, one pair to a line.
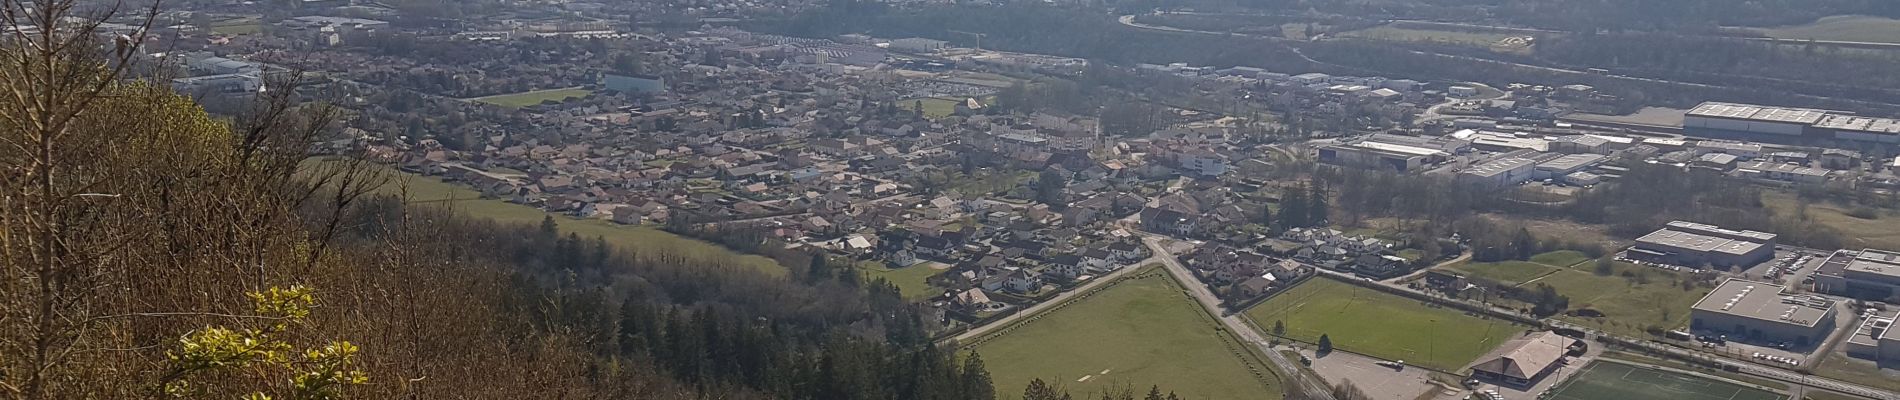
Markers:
918,45
1505,171
1758,311
1524,360
1692,244
1867,274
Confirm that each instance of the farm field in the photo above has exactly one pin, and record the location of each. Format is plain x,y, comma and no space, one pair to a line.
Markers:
1139,332
934,107
1847,28
1382,325
237,26
1609,380
640,240
1628,304
525,99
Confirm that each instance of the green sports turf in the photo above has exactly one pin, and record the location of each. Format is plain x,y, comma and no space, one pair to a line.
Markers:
1614,381
1382,325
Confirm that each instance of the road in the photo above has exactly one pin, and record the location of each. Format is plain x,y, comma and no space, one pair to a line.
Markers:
1312,385
1063,297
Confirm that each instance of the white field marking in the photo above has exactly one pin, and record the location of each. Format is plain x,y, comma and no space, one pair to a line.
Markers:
1084,378
1104,372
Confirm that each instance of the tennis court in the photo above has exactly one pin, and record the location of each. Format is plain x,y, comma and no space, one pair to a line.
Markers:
1607,380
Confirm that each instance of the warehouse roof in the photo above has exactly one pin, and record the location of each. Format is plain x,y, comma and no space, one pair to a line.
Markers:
1571,162
1757,113
1499,166
1763,301
1860,124
1790,169
1698,242
1877,262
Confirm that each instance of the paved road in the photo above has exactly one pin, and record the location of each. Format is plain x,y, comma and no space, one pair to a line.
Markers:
1063,297
1233,322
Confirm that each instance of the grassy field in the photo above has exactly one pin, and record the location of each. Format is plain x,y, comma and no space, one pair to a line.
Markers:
1629,305
237,26
912,281
1507,272
1607,380
1876,233
938,107
1842,367
1560,258
636,239
1382,325
525,99
1139,332
1500,40
1848,28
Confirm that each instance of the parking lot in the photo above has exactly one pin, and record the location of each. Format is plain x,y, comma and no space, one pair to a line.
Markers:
1378,381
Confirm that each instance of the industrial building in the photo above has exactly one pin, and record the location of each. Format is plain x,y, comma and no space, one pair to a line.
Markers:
1692,244
1780,172
1867,274
1566,165
1723,119
1758,311
1504,171
1392,152
1875,339
1729,119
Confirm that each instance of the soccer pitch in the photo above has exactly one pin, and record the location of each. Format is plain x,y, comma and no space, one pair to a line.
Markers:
1607,380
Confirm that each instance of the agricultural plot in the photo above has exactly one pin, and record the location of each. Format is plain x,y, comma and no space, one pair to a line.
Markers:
1507,272
1847,28
1382,325
639,240
525,99
1608,380
912,281
1139,332
1496,40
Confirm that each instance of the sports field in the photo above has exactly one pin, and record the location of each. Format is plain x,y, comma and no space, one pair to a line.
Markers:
525,99
1382,325
1139,332
1608,380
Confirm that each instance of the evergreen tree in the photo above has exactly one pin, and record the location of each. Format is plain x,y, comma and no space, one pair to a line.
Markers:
1317,211
1154,393
1293,210
975,383
1325,344
1279,327
820,268
1050,186
1038,390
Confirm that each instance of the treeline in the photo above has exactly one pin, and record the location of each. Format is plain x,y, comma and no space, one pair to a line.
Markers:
1643,199
1612,15
1811,69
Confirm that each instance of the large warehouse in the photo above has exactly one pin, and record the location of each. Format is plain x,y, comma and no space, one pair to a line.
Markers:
1392,152
1692,244
1730,119
1760,311
1866,274
1876,339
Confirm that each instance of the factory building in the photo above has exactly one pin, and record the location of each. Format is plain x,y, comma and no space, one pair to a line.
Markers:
1780,172
1762,312
1866,274
1692,244
1504,171
1728,119
1392,152
1864,129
